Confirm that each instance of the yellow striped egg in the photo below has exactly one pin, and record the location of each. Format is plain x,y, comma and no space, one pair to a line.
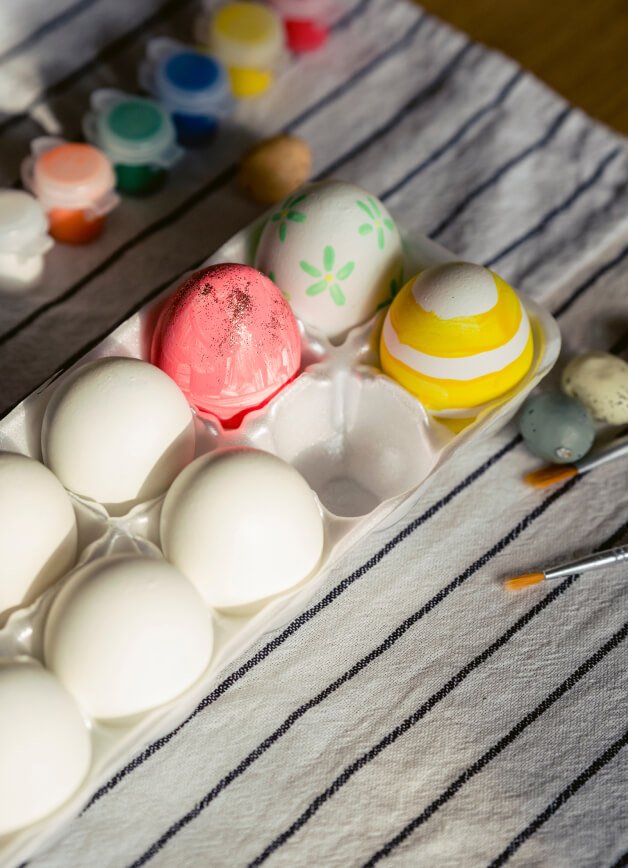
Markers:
457,337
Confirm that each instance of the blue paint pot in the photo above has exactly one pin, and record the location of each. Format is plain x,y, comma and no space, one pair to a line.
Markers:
191,85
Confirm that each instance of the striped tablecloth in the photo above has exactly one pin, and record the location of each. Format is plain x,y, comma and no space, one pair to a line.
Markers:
414,712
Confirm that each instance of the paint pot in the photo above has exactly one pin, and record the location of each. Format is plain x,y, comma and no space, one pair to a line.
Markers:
23,240
249,39
192,86
305,21
137,135
75,186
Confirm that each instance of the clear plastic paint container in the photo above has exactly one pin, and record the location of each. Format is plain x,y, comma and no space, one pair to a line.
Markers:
23,239
306,22
137,135
191,85
75,185
249,39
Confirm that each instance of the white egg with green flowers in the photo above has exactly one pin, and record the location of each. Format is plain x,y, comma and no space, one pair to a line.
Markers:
335,252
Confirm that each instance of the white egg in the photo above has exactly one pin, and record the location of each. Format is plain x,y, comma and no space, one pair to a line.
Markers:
126,634
335,252
37,530
243,525
118,431
45,748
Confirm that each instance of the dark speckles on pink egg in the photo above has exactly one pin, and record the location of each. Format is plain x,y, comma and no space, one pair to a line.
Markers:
229,339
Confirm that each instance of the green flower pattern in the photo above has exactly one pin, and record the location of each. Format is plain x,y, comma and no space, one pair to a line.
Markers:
289,213
376,222
329,277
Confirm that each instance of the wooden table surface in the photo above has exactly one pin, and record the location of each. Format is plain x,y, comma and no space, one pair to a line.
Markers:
578,47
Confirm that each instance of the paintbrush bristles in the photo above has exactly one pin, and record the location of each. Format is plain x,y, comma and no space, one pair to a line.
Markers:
547,476
524,581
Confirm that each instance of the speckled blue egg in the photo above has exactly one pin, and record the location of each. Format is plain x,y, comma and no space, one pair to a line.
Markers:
556,427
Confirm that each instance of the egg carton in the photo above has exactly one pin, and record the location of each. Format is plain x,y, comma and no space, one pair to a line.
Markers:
365,445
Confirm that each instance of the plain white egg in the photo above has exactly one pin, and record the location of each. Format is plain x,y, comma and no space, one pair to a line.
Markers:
243,525
45,747
38,535
117,431
334,251
126,634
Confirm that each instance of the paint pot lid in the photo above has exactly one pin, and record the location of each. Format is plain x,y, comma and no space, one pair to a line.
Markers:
247,35
188,81
23,224
131,130
71,175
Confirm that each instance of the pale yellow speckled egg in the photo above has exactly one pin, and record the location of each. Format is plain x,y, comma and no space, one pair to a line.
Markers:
600,381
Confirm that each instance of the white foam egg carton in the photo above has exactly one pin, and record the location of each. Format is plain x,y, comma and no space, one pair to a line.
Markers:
365,445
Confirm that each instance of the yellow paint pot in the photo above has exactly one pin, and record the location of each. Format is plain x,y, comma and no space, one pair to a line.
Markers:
248,38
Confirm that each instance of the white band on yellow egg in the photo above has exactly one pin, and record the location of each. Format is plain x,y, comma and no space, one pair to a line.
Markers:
466,368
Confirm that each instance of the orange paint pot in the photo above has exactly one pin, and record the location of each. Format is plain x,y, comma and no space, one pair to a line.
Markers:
74,227
75,185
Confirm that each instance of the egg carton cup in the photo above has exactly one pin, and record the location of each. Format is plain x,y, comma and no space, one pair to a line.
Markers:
365,445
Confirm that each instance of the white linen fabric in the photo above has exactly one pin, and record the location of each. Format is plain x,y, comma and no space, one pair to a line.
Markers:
414,712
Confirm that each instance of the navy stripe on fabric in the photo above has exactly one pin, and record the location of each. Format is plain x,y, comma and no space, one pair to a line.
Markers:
360,74
556,804
585,185
392,123
307,616
216,183
575,295
44,29
621,862
357,668
454,788
475,118
538,145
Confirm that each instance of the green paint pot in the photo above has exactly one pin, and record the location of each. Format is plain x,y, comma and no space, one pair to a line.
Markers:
139,180
137,135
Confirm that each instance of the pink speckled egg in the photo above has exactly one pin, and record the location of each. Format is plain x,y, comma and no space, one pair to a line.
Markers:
229,339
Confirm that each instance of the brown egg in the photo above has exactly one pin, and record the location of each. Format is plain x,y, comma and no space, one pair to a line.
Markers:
274,168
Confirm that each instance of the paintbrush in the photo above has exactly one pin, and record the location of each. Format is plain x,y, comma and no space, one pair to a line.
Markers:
554,473
583,565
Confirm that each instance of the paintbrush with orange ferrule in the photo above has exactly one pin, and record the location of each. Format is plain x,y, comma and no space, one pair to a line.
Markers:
554,473
583,565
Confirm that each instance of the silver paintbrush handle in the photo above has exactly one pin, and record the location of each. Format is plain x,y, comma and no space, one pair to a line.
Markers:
591,562
617,449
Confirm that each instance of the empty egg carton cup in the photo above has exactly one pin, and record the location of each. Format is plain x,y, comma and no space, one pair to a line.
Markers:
366,447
